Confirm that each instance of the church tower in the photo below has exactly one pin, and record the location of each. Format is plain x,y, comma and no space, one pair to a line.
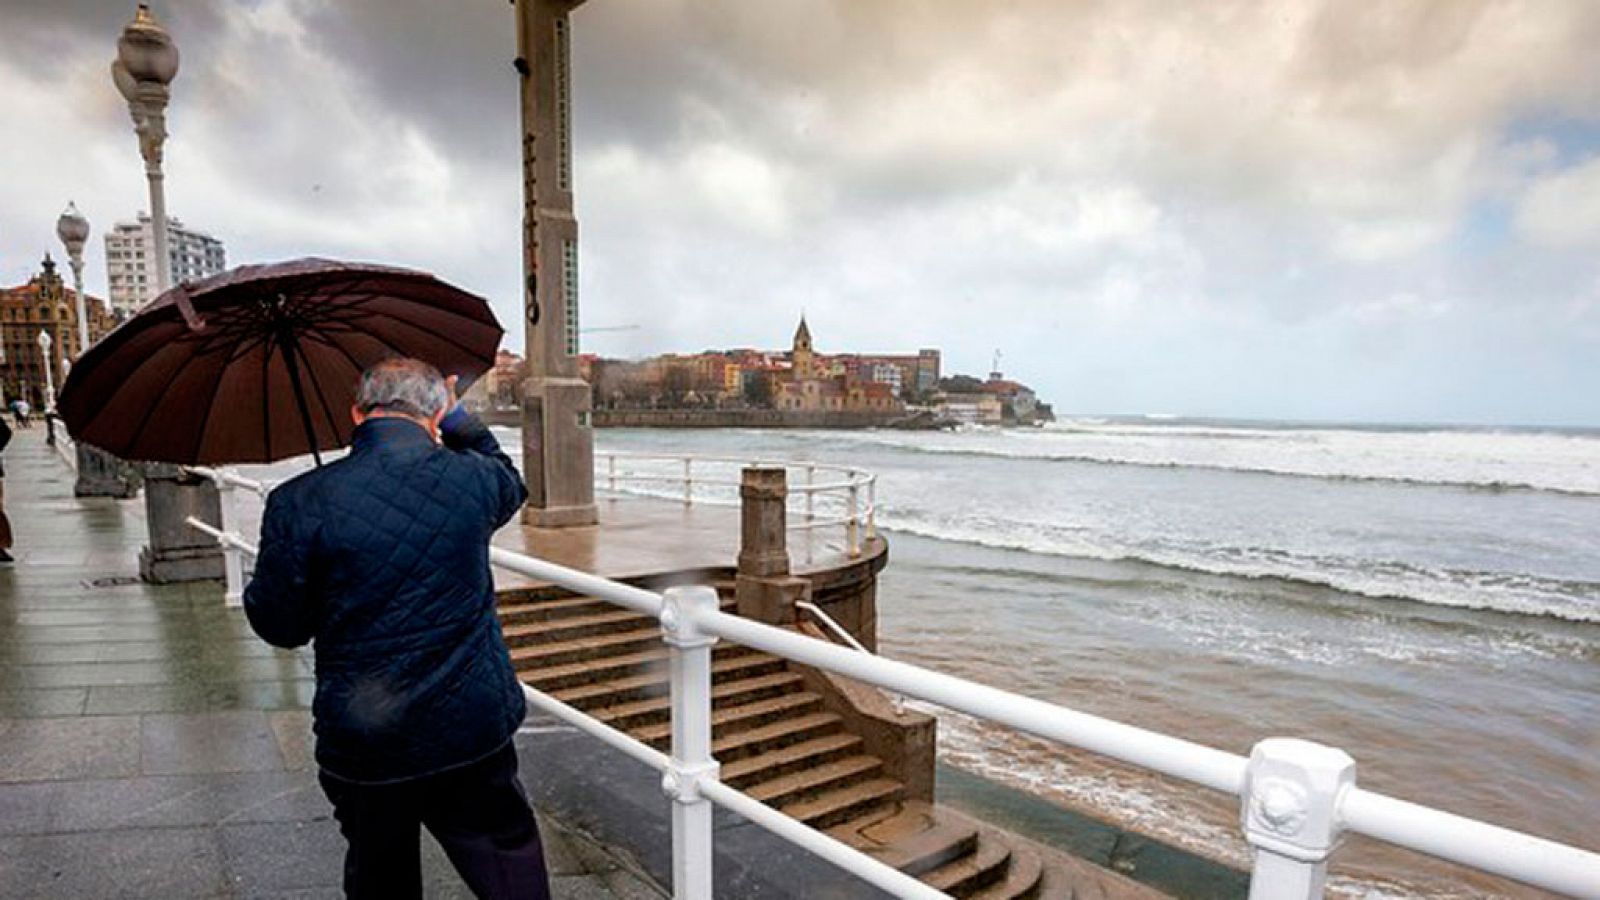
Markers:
801,355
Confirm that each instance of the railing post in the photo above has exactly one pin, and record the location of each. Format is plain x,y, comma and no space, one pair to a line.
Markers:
764,588
1290,813
688,482
852,525
689,671
232,556
872,507
811,480
611,471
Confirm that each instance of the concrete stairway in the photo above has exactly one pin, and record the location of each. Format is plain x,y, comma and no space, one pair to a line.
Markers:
773,737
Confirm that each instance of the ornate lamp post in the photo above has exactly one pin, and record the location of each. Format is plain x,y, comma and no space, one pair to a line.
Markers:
146,63
73,230
49,370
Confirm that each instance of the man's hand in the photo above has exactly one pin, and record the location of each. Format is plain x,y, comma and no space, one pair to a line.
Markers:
450,385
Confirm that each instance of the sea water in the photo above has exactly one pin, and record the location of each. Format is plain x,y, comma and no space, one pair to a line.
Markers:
1426,598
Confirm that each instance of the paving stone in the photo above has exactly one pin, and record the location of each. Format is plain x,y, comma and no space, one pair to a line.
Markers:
191,743
35,702
27,807
203,696
143,863
40,749
282,856
188,800
296,742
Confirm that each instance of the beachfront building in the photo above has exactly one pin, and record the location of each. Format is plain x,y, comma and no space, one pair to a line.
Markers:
131,260
45,304
977,408
498,388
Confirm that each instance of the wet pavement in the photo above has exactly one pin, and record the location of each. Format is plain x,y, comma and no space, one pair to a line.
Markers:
150,746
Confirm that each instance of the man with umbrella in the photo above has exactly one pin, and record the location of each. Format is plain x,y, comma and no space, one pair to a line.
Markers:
380,560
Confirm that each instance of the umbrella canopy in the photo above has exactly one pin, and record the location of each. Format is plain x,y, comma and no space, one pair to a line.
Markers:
261,363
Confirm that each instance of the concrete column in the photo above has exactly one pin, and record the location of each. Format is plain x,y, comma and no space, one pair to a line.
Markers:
102,475
764,588
557,440
177,552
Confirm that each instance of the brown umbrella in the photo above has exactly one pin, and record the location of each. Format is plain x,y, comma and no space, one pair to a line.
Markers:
261,363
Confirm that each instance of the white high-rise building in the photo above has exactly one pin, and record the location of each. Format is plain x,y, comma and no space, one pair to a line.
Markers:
131,263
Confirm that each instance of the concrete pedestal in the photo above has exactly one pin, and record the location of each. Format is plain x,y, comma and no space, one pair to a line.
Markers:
558,453
763,587
176,551
102,475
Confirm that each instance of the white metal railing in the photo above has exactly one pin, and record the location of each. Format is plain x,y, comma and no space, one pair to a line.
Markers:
1297,797
849,497
849,639
65,445
234,546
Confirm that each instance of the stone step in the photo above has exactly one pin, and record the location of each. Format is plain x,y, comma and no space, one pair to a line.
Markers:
742,717
772,736
633,713
569,627
547,610
973,872
1024,878
595,646
563,628
916,839
533,594
650,664
815,780
742,773
653,683
831,808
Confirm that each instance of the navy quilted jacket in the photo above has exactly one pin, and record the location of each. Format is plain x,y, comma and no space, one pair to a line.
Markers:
381,560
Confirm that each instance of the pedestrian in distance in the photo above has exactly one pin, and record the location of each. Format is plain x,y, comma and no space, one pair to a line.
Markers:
381,561
20,410
5,522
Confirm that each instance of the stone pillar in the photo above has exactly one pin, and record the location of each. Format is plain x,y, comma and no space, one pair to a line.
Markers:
176,551
557,440
764,588
102,475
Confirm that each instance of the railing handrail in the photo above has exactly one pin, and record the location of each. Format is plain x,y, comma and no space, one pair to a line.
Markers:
833,626
1501,851
860,519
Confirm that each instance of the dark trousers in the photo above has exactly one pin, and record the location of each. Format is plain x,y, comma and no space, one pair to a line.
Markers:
478,813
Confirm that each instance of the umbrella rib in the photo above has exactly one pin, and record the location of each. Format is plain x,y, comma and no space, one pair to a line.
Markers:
322,400
150,413
425,330
266,397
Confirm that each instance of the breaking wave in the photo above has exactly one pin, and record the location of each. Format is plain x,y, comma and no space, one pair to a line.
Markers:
1549,463
1514,594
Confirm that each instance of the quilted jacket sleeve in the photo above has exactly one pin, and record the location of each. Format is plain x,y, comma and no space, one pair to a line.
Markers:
277,600
461,430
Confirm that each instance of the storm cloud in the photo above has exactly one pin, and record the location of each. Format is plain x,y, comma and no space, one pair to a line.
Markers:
1300,209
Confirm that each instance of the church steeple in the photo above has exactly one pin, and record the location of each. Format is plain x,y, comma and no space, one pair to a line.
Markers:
801,356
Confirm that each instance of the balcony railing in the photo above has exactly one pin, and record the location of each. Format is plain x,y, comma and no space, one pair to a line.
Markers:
823,496
1297,798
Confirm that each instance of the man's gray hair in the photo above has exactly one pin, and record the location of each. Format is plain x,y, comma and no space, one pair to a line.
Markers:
402,385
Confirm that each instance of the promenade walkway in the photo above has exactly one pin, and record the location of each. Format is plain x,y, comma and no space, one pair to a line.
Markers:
150,746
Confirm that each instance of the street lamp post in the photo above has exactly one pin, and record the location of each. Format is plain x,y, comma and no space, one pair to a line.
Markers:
146,63
49,370
73,230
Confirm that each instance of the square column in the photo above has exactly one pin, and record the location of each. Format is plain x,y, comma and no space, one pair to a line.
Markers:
557,441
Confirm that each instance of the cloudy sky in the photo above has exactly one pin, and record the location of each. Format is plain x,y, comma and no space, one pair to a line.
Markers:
1299,209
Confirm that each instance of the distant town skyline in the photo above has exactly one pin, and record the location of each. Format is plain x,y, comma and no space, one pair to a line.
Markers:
1255,209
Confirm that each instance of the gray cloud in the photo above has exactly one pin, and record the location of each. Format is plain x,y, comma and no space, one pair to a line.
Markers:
1260,208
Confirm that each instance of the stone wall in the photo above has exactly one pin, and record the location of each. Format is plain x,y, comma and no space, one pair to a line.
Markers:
739,418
